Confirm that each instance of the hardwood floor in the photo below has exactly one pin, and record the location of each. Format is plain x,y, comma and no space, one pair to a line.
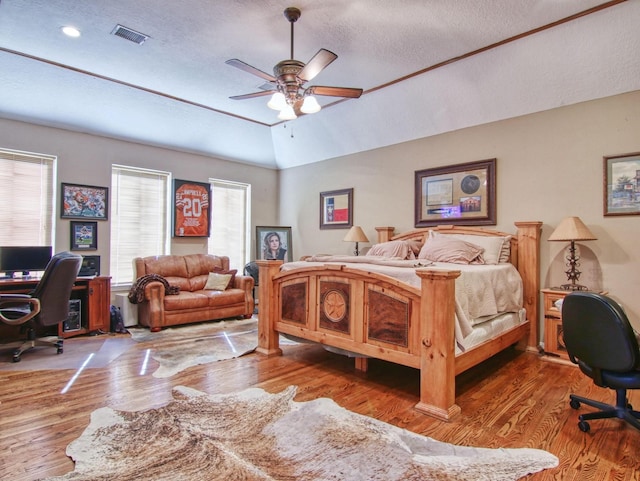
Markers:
513,400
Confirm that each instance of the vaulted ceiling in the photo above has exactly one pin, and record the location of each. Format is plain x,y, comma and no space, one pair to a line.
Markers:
426,67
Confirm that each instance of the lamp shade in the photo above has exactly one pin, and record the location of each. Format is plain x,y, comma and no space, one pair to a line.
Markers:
355,234
572,229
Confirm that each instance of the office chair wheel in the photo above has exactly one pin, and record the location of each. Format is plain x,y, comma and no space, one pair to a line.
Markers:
60,350
584,426
575,405
16,356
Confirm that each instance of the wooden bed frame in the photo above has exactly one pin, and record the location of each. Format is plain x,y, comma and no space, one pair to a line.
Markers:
377,316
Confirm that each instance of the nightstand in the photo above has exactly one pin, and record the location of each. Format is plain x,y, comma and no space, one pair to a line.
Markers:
553,341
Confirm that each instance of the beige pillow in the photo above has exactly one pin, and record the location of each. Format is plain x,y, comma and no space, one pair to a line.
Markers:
448,249
493,246
397,248
217,282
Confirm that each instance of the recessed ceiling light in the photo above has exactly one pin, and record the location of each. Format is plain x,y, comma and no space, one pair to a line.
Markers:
71,31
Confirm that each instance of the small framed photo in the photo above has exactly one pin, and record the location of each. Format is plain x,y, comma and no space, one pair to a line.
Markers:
274,243
191,209
84,236
336,209
462,194
84,202
622,184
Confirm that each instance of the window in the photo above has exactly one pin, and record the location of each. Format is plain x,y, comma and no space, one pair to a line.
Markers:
27,197
230,214
139,218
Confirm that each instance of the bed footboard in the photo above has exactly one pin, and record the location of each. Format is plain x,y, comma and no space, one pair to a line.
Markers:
369,314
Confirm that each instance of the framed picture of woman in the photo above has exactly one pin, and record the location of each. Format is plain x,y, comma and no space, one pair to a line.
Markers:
273,243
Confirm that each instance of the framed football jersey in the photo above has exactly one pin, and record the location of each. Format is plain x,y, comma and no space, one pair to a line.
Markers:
191,209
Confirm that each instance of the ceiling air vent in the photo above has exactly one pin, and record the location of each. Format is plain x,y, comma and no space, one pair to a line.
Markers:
128,34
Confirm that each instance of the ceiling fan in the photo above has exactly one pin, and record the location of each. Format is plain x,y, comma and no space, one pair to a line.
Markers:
291,97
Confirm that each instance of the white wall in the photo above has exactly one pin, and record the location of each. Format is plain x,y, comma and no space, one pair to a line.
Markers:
549,166
87,159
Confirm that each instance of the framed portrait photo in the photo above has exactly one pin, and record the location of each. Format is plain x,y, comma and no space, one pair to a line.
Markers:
191,209
274,242
463,194
84,236
622,184
84,202
336,209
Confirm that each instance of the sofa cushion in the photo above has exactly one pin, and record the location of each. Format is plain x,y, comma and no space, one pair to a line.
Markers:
224,298
186,301
199,264
165,266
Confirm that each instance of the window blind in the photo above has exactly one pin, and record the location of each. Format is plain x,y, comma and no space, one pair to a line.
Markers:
230,214
27,197
139,218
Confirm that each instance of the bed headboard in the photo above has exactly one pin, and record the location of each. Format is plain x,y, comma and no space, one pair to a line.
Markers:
524,255
385,234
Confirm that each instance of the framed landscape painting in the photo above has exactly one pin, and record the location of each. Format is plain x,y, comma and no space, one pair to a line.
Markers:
622,184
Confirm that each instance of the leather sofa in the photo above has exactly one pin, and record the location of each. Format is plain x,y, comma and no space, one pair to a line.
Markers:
188,274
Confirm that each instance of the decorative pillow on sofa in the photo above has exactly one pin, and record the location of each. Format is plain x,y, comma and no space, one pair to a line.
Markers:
446,249
232,273
217,282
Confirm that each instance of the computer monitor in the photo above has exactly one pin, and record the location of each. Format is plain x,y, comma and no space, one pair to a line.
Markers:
24,259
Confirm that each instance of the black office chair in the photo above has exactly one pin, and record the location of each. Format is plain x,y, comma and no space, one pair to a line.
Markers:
600,340
47,305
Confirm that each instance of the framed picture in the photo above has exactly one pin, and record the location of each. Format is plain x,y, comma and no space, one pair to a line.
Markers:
191,209
84,236
622,184
462,194
84,202
273,243
336,209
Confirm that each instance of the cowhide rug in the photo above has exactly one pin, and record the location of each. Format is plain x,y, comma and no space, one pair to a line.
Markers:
180,347
254,435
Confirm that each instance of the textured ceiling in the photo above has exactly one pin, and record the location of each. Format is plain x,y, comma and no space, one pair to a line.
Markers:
174,90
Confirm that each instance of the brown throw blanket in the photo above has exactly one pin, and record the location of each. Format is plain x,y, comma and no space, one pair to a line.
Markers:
136,294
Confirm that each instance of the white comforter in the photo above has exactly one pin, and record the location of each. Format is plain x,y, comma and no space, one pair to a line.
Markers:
482,291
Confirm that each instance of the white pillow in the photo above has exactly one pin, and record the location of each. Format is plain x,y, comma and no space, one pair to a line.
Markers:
493,245
217,282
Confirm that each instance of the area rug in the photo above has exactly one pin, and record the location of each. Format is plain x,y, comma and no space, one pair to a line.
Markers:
254,435
180,347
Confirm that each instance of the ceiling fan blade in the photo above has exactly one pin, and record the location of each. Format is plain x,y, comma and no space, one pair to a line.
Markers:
253,95
268,86
234,62
349,92
319,61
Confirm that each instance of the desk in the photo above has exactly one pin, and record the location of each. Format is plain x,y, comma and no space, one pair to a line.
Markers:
94,294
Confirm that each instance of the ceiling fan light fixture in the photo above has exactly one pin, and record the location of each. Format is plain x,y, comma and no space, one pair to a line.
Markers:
310,105
277,102
287,113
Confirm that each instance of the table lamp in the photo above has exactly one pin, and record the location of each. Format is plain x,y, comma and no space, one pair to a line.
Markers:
572,229
356,235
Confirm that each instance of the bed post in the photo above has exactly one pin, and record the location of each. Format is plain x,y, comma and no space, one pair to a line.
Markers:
268,338
385,233
529,268
437,344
